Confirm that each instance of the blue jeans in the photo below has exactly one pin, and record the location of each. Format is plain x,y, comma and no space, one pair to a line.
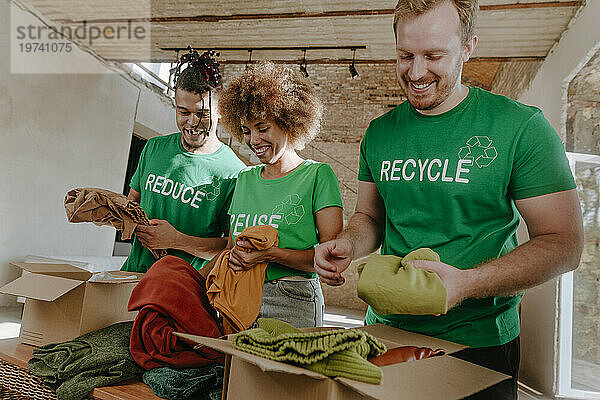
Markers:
298,302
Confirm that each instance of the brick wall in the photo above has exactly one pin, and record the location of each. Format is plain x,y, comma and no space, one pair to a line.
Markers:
350,104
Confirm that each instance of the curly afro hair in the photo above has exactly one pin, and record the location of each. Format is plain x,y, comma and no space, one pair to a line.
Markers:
266,91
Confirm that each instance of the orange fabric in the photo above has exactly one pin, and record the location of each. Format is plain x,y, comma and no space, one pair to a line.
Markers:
237,295
103,207
404,354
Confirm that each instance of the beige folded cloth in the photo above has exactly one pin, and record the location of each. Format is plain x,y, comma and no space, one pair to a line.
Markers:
103,207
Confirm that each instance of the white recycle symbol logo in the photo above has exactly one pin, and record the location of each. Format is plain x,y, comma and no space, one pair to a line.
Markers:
291,209
213,190
479,150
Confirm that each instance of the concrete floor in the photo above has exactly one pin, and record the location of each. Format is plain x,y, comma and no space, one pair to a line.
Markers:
10,322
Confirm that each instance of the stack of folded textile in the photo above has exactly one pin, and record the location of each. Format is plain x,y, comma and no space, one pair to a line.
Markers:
341,352
74,368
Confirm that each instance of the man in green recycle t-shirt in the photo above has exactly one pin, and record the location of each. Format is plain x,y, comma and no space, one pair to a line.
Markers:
452,169
184,181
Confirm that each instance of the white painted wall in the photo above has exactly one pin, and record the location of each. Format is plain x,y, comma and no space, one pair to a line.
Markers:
147,115
548,91
59,132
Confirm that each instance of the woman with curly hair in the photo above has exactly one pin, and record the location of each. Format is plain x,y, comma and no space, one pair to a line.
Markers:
276,112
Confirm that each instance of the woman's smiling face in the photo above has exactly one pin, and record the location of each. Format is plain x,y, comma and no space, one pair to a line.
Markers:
266,139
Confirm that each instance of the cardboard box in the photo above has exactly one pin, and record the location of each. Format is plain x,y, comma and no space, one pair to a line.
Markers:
443,377
62,304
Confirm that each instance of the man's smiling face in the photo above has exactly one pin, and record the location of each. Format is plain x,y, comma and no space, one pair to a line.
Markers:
193,117
430,56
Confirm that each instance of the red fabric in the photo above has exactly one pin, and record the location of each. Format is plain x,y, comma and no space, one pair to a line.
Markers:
404,354
171,298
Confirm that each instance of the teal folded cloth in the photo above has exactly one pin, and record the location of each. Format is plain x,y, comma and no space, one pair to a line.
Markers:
205,382
74,368
339,352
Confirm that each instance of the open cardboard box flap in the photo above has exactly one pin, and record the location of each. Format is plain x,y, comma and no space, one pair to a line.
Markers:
61,270
423,379
50,281
40,287
432,378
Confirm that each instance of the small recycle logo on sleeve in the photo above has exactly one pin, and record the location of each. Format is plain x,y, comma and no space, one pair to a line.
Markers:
291,209
479,150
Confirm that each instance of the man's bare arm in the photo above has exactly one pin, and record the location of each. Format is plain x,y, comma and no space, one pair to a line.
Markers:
556,230
162,235
362,236
134,195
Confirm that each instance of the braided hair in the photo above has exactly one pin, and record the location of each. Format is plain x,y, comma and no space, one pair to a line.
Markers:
196,73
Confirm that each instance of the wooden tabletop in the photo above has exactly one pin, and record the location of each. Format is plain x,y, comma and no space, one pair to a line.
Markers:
18,354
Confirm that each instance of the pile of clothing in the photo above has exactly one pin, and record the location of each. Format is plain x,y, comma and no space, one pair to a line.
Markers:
181,384
340,352
171,297
349,353
102,358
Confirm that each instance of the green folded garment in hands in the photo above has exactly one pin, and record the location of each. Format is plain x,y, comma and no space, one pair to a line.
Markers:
390,285
340,352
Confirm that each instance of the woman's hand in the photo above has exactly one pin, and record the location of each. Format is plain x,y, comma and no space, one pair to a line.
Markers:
243,256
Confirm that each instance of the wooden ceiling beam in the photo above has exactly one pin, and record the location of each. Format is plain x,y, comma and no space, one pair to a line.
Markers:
324,14
518,6
340,61
237,17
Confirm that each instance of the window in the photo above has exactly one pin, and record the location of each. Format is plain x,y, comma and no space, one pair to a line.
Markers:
579,338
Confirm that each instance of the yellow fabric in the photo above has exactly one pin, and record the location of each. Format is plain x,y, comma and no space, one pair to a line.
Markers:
392,286
237,295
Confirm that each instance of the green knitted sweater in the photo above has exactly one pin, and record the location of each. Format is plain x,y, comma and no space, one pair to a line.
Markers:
75,368
340,352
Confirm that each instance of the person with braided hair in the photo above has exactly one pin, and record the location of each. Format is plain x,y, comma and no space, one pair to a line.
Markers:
184,181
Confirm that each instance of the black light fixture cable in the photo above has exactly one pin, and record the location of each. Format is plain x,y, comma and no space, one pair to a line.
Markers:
303,65
352,68
249,58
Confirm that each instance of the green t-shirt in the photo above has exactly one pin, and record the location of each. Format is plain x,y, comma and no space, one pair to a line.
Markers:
449,182
288,204
191,191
